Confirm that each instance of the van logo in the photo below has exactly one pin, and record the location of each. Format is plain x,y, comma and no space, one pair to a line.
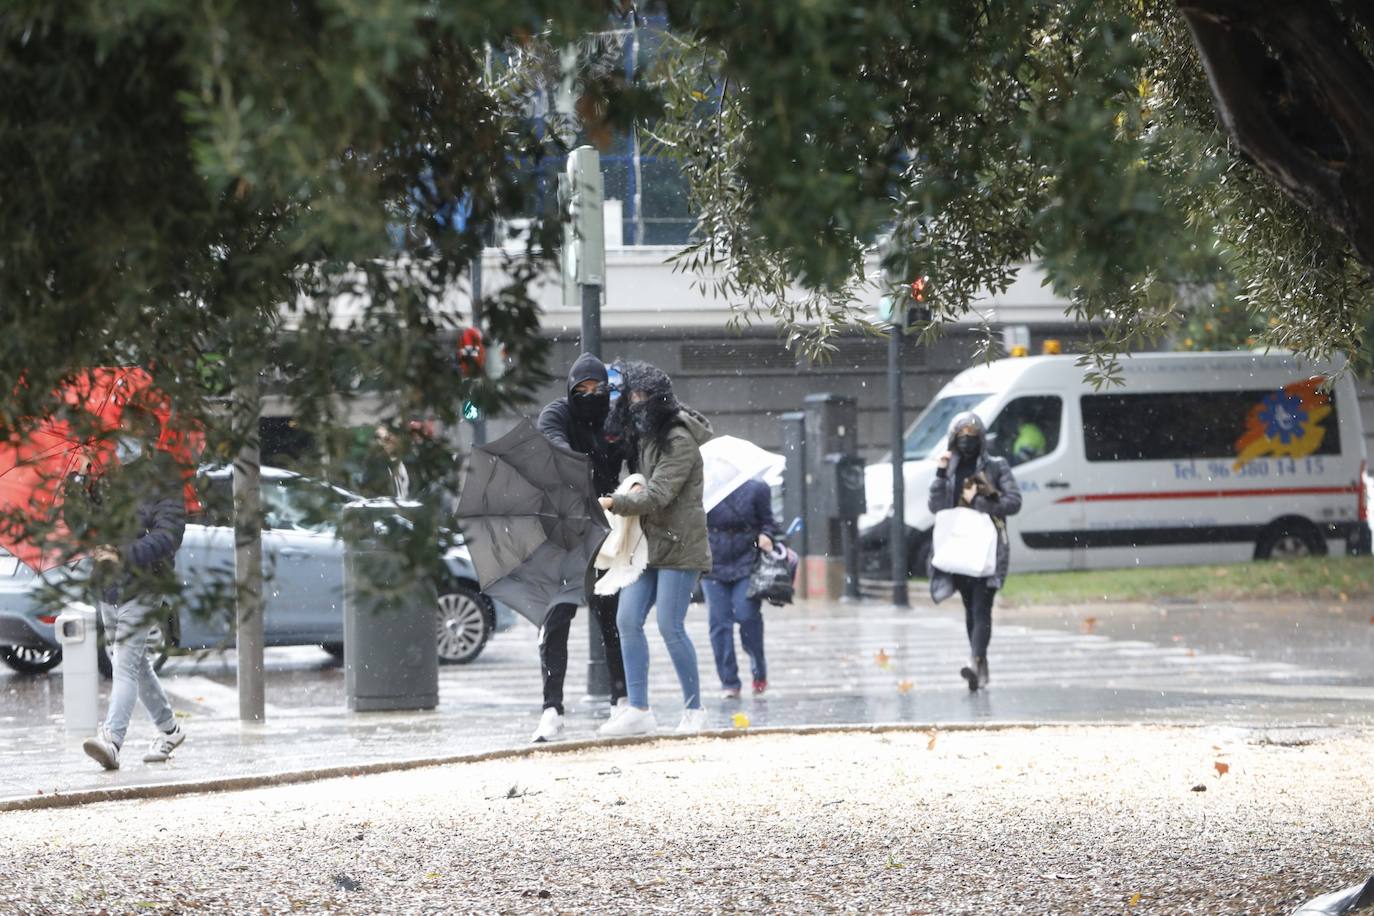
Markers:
1286,423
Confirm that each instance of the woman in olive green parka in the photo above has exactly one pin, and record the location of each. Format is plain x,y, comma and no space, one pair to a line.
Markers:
669,438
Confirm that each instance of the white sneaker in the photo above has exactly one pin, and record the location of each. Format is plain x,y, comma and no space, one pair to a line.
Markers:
550,727
632,721
620,706
164,744
101,749
693,721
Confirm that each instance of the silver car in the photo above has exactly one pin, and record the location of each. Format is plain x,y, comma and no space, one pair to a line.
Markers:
303,569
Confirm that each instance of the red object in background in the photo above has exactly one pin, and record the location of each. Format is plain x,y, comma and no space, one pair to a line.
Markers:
472,353
33,468
918,289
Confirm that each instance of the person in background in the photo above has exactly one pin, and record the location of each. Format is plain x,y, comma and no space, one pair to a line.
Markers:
669,438
1029,444
578,422
739,527
134,512
968,476
387,474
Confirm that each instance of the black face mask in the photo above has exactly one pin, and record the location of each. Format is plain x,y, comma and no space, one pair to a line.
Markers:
639,417
968,446
590,406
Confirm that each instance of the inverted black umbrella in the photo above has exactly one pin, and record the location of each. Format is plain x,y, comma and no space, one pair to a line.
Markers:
531,521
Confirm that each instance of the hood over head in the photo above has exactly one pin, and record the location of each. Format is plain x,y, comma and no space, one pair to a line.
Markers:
586,367
966,419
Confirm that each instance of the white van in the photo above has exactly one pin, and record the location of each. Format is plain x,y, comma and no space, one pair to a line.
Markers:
1197,458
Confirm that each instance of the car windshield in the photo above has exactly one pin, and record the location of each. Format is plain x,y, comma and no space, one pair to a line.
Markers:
932,427
302,504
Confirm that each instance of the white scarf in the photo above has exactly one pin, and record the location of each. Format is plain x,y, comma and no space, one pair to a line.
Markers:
625,552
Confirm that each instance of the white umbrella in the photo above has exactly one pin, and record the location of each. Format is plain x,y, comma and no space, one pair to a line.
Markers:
729,462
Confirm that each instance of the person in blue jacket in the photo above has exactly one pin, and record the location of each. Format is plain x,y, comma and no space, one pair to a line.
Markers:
738,527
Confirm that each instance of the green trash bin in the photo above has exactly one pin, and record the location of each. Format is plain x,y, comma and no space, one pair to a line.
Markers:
391,656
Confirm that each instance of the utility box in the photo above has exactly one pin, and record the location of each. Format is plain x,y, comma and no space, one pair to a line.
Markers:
830,428
76,631
850,499
391,656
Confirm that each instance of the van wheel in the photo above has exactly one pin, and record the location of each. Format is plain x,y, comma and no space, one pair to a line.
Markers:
1288,540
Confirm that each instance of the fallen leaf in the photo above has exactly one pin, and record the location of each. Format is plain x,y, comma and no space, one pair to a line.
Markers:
431,875
1191,653
904,686
1089,624
1199,788
739,720
930,745
1222,768
883,659
1371,620
1344,597
1135,899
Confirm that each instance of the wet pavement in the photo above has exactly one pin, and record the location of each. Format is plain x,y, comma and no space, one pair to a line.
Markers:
1271,666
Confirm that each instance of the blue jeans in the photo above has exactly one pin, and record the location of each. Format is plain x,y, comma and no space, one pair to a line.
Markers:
730,604
671,590
128,626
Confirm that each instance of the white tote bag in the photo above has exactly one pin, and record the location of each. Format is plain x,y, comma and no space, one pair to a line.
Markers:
965,543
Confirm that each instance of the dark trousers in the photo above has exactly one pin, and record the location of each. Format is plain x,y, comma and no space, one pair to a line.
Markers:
728,604
977,612
553,648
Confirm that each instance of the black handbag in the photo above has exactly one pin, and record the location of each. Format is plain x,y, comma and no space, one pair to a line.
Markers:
770,579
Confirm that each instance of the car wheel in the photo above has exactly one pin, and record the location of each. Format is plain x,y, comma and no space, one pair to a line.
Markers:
463,620
26,660
1289,540
156,649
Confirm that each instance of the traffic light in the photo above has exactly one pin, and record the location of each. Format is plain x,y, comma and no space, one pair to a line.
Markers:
472,353
917,311
581,192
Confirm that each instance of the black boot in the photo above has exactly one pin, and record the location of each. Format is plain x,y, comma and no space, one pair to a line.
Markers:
970,673
983,671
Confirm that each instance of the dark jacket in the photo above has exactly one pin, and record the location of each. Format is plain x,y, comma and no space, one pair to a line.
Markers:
670,508
734,526
140,510
1003,500
607,450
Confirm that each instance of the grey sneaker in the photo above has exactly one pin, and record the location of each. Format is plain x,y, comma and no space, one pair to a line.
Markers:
102,750
164,744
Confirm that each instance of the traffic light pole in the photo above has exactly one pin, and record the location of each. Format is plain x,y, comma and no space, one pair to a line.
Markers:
896,536
479,426
598,673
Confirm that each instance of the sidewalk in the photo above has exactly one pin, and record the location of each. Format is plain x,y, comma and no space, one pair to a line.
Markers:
829,665
1146,820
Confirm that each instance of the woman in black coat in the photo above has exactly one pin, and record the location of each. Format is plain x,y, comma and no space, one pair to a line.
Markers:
968,476
739,527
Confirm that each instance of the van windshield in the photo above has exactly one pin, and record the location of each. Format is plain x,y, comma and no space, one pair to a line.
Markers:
932,427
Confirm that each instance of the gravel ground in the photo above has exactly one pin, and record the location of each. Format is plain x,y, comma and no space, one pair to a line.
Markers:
1053,820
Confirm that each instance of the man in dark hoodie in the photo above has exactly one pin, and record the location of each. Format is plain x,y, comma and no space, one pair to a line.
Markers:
578,422
135,514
